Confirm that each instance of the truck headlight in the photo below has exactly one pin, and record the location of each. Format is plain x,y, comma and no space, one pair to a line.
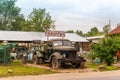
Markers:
78,54
64,55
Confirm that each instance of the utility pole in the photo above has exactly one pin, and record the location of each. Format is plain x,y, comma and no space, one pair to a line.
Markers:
109,25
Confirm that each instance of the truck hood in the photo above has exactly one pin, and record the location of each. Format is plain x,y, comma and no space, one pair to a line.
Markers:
64,48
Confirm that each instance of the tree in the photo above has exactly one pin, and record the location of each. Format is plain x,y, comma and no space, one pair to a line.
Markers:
19,23
70,31
26,26
40,20
80,33
107,49
93,32
8,14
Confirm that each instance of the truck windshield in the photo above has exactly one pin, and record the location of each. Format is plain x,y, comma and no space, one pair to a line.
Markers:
62,43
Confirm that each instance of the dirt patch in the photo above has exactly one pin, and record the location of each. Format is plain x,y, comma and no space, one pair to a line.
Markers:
77,70
64,70
39,66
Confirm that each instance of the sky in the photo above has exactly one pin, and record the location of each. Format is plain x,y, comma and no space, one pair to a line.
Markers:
76,14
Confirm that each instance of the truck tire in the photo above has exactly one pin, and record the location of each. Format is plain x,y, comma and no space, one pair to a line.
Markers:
76,65
82,65
55,63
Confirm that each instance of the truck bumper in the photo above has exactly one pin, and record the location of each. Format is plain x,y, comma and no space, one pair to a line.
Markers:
72,60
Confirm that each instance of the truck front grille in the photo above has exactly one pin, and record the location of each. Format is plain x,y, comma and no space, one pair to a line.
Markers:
70,54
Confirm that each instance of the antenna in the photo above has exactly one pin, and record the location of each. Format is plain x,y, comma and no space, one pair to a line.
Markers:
109,25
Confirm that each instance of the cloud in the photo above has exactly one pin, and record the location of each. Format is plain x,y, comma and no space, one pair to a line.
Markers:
76,12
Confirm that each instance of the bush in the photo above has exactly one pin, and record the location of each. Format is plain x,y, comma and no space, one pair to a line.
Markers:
106,49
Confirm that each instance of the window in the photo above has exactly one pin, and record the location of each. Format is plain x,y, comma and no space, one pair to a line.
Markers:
62,43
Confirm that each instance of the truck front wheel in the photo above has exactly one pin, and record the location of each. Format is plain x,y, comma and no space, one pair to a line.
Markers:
55,63
82,65
79,65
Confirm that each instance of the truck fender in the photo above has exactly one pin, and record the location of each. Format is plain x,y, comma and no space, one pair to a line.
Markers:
57,55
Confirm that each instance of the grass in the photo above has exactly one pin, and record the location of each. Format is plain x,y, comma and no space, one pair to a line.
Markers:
96,65
92,65
110,68
18,69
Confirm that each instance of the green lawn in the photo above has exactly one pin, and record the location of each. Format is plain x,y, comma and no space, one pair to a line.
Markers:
96,65
18,69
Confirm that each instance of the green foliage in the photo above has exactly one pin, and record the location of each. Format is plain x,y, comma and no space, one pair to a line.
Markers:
8,14
70,31
80,33
93,32
39,20
19,23
11,19
107,49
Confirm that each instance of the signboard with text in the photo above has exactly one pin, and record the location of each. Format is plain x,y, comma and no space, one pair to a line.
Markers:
55,33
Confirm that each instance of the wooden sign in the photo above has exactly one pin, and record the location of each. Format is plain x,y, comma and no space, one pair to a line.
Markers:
55,33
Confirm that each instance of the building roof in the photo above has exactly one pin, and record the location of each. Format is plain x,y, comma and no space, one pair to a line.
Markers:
115,31
19,36
95,37
70,36
30,36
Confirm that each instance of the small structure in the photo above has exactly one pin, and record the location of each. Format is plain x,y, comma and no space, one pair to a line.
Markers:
95,39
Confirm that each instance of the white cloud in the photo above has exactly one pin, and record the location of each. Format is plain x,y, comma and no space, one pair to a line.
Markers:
76,12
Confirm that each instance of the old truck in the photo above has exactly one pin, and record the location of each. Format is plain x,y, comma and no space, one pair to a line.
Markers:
58,52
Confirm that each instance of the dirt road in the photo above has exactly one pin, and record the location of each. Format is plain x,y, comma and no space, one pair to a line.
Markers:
70,76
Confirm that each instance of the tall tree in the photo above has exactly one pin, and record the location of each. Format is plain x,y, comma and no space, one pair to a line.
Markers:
8,14
40,20
93,32
80,33
18,23
70,31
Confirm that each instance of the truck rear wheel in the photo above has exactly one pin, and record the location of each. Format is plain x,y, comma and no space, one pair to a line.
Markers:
55,63
82,65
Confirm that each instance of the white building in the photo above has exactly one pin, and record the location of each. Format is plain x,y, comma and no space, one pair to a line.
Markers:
28,37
